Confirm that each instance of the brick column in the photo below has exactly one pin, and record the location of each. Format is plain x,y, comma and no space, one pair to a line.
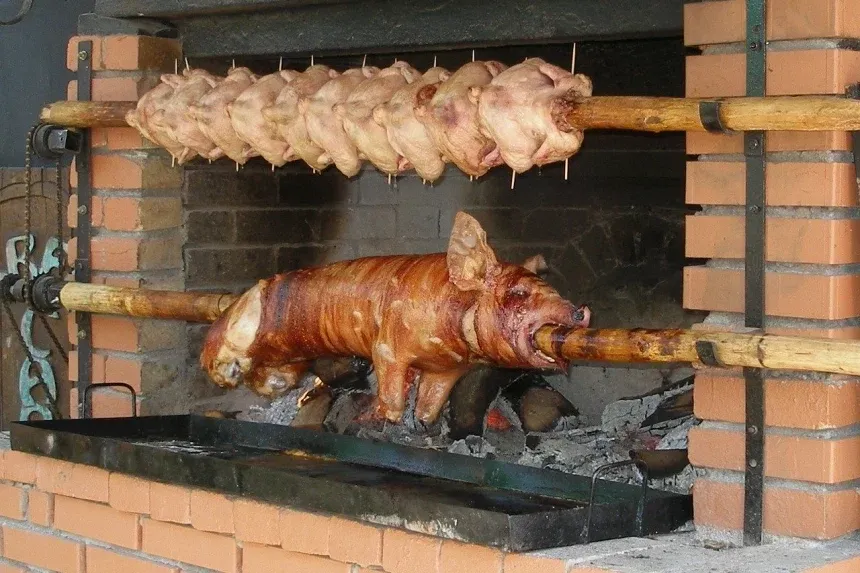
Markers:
812,439
137,226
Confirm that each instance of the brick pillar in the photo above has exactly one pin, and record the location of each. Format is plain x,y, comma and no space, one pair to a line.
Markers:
137,226
812,439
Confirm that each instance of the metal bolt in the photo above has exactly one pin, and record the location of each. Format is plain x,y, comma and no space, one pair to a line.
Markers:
752,430
82,209
83,55
753,463
82,334
754,144
757,28
754,45
754,208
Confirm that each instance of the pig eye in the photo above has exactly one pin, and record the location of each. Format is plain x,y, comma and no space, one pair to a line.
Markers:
518,291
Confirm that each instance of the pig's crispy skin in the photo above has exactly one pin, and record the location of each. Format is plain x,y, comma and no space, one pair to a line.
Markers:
424,317
515,111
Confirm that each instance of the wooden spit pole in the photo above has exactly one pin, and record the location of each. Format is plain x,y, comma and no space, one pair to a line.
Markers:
730,349
83,114
654,114
605,345
100,299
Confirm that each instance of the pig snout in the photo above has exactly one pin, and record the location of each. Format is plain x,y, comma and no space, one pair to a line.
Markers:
581,316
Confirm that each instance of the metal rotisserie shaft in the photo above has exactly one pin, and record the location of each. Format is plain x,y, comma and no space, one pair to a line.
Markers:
653,114
730,349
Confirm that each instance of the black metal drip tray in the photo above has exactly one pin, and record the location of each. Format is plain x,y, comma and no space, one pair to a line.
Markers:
487,502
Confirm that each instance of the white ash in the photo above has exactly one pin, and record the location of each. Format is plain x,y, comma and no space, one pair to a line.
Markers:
474,446
630,413
676,439
281,410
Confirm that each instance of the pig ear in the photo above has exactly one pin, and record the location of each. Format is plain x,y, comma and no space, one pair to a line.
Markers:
536,264
471,261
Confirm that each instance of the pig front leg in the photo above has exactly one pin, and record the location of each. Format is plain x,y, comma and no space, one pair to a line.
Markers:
393,382
434,388
274,381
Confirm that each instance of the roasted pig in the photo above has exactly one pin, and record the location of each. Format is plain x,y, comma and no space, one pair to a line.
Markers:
422,319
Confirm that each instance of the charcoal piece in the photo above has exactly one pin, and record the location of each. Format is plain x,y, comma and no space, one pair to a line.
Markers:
343,372
541,408
471,398
662,463
313,408
346,408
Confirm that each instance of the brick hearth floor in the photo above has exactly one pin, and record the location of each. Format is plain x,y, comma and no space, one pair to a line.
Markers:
676,553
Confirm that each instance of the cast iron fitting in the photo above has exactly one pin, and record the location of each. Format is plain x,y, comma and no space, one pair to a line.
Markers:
46,293
53,141
7,287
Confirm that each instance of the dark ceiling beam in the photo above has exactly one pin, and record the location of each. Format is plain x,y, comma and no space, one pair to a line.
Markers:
191,8
244,29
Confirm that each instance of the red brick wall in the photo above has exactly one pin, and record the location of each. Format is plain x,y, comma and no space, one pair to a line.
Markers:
137,226
812,444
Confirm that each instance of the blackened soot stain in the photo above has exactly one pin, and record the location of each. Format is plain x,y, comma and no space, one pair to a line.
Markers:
591,345
557,338
281,296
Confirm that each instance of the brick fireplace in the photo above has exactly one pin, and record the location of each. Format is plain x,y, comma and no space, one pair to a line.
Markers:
619,235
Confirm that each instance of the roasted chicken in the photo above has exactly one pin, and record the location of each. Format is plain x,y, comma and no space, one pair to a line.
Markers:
483,115
211,115
246,116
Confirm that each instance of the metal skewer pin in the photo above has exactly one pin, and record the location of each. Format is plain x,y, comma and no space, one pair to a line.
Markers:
572,69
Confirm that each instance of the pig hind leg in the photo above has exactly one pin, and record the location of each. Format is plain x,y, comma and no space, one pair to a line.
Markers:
434,388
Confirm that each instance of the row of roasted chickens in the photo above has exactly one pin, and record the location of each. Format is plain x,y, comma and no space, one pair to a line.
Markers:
483,115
